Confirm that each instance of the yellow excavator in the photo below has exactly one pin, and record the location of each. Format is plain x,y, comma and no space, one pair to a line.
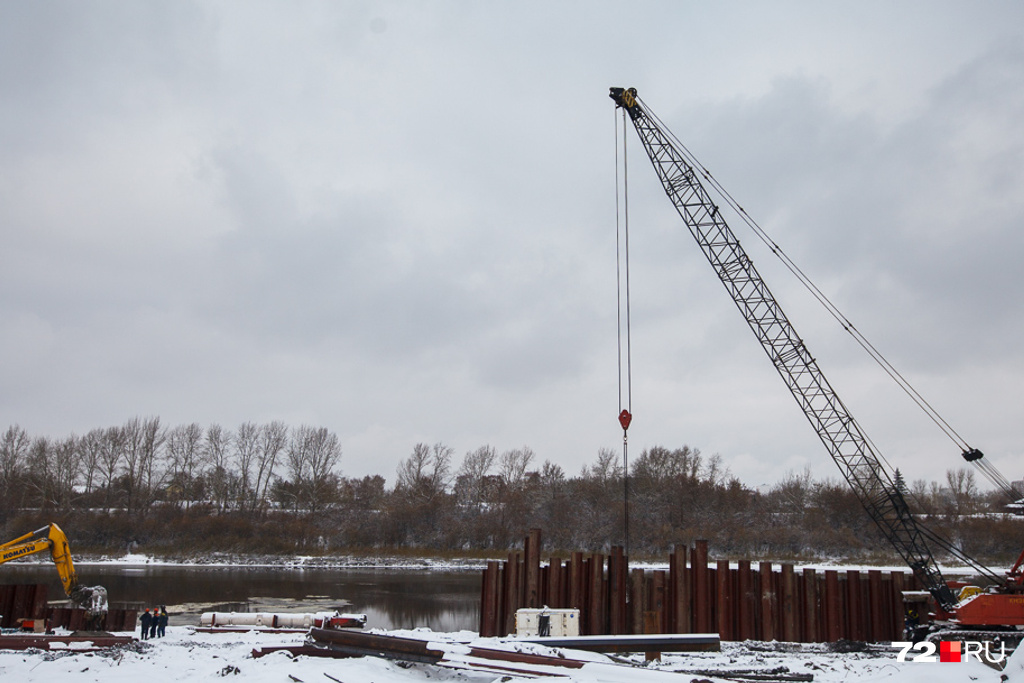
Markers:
92,598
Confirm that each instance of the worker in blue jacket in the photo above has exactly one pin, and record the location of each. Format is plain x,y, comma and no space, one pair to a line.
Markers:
146,621
161,622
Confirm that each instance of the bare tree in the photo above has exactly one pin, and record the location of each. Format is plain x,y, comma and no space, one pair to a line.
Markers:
39,477
216,446
792,494
606,468
324,455
312,455
714,472
53,471
273,439
472,475
426,473
247,446
421,508
142,449
442,470
216,454
184,454
963,492
552,474
659,464
153,438
599,498
414,468
514,466
13,454
111,458
297,459
66,465
133,437
90,449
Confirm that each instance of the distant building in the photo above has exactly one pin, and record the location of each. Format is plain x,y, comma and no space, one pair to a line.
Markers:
1017,507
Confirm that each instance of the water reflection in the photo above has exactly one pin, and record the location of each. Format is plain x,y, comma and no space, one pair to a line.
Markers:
391,598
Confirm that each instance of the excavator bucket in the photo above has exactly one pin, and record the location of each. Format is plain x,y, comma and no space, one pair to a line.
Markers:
92,598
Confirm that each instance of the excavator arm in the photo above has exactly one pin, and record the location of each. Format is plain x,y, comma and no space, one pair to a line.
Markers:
51,538
831,420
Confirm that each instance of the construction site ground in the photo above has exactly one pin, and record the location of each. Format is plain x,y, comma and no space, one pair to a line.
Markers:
184,655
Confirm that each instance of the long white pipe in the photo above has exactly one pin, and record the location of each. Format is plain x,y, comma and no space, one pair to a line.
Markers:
276,620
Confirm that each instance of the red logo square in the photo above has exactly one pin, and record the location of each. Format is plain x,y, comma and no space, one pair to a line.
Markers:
949,651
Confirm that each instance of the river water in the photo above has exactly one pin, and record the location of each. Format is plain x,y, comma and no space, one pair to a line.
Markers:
399,598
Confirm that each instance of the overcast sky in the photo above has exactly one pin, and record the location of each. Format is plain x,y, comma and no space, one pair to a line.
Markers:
396,220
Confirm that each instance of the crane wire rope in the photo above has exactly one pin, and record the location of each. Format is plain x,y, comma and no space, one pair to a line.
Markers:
622,264
930,411
958,553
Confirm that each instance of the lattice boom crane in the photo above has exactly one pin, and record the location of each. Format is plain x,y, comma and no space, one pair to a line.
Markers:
839,432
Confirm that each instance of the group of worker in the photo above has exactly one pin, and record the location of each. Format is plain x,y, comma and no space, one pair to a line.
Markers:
154,624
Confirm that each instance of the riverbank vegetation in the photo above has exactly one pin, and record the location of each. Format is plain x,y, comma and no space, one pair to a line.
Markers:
190,491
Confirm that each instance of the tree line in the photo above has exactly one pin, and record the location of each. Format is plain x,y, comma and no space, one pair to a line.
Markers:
271,488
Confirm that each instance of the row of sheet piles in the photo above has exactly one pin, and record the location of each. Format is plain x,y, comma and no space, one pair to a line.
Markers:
29,601
22,601
738,600
75,619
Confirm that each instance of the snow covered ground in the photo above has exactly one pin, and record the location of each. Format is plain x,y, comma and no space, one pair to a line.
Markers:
186,656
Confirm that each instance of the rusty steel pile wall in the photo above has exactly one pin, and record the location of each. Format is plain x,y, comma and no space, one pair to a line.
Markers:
739,600
75,619
22,601
29,601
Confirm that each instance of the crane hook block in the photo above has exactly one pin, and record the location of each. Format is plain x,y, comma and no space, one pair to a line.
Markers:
624,419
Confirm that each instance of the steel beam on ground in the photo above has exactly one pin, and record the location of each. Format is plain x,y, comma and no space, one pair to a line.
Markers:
19,641
661,642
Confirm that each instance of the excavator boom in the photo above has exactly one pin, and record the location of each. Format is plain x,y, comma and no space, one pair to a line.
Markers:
51,538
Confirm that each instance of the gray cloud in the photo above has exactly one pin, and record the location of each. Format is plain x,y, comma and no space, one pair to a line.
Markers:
398,220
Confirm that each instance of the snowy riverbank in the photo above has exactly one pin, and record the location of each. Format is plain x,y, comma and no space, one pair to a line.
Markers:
392,562
287,561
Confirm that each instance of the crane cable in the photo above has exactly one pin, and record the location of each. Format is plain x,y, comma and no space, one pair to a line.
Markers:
622,264
971,454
